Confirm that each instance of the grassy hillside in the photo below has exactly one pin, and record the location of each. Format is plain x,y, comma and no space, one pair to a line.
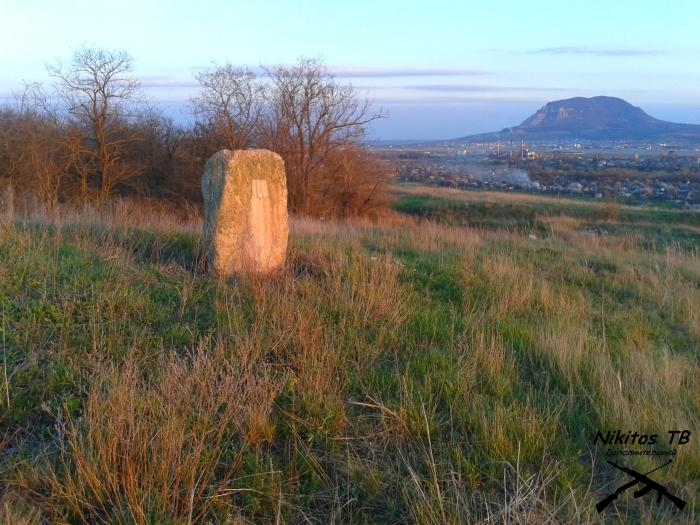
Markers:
405,373
655,226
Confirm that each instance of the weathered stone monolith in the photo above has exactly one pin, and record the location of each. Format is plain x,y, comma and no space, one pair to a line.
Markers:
7,204
245,212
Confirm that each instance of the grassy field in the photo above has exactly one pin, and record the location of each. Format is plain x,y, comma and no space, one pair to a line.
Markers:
655,226
452,370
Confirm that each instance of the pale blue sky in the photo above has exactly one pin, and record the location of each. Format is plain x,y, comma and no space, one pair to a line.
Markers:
440,69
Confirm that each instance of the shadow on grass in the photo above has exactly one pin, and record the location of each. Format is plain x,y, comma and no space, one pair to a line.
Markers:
147,246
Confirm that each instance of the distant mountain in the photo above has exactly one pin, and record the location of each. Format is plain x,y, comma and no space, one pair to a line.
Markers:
597,118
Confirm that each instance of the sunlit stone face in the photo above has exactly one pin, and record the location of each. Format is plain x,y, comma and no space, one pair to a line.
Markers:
245,212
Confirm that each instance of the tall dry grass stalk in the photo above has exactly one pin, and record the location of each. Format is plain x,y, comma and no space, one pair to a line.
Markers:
164,448
143,213
7,204
14,510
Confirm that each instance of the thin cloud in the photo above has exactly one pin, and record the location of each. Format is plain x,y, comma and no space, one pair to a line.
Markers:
478,88
147,81
361,72
337,71
587,50
455,100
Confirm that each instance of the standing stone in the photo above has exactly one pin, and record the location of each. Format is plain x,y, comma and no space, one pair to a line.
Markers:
7,204
245,212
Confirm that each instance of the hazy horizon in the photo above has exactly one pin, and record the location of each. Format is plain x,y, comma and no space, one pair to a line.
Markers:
439,70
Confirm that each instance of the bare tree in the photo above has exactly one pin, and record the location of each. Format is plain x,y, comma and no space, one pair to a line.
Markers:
310,117
96,137
100,95
230,103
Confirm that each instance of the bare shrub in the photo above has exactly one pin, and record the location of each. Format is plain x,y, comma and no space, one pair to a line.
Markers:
354,182
33,148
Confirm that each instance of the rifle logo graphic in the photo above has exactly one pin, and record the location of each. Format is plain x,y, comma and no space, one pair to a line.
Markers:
649,485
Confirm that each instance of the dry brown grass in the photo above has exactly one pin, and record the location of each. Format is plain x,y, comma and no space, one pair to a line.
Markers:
485,196
126,213
402,371
152,448
15,510
7,204
564,227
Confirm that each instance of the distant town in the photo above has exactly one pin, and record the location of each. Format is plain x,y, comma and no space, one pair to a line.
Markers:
627,172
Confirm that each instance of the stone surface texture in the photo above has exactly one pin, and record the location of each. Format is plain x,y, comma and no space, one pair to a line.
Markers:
245,212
